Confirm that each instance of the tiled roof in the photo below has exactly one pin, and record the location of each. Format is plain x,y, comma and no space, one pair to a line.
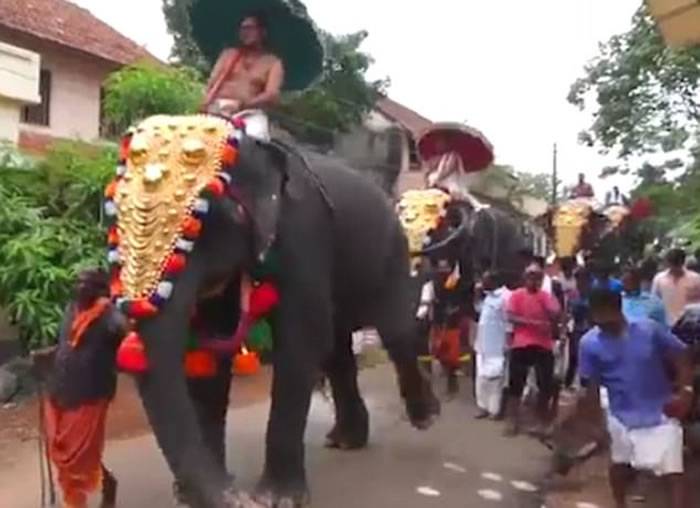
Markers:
65,23
409,119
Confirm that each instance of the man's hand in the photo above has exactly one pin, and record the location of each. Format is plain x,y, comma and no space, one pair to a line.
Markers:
680,405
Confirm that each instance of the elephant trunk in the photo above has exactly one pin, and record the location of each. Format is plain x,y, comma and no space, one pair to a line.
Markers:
170,409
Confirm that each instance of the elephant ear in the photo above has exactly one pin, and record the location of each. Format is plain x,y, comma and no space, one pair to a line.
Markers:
259,182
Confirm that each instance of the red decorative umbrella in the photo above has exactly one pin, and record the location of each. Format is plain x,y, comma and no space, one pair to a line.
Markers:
472,146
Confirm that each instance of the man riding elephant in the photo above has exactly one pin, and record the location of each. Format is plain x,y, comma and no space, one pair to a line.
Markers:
247,78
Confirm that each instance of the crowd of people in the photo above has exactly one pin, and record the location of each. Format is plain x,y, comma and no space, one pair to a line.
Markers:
624,339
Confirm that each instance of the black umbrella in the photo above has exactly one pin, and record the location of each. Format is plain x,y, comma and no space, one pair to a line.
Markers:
291,34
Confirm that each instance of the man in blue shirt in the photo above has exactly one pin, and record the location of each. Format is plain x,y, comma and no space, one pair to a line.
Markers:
603,279
631,359
638,304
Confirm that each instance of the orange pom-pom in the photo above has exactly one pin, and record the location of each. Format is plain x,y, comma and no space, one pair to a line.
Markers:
246,363
113,237
139,309
175,264
229,156
216,187
115,286
192,228
200,364
131,355
111,189
124,147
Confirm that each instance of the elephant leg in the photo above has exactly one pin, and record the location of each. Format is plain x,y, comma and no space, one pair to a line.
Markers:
300,345
211,398
351,430
394,318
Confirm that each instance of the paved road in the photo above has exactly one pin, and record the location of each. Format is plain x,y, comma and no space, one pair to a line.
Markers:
458,463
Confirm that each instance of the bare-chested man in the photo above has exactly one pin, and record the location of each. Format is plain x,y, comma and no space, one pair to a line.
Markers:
248,77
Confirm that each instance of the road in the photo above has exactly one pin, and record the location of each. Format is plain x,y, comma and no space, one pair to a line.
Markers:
460,462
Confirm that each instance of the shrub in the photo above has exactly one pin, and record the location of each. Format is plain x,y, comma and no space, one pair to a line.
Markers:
50,229
137,92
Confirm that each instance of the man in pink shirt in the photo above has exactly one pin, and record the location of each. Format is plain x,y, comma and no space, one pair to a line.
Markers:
534,314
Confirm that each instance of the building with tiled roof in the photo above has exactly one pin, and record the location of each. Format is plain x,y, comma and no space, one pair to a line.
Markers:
77,51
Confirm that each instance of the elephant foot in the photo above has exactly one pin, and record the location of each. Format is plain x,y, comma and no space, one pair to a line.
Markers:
422,406
268,495
270,499
343,439
237,499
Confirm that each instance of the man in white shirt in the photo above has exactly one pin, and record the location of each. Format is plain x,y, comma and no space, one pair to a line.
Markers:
673,284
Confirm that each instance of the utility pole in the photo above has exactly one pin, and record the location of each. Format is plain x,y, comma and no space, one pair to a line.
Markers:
555,177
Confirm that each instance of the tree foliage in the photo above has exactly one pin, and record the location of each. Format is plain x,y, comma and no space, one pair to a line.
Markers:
139,91
49,231
340,99
185,50
644,94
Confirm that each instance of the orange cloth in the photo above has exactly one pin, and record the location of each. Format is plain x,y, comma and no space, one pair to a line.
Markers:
446,346
76,439
85,318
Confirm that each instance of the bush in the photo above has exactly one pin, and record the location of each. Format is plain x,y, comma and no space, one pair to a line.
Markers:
137,92
50,230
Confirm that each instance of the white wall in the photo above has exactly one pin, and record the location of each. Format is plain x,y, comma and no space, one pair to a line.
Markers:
19,85
76,79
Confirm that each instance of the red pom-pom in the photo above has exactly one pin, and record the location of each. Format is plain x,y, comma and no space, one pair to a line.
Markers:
115,286
239,123
139,309
131,355
641,209
263,299
175,264
200,364
229,155
192,228
124,147
111,189
216,187
246,363
113,237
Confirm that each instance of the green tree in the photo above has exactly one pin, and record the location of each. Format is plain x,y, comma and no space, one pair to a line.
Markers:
340,99
185,50
139,91
644,95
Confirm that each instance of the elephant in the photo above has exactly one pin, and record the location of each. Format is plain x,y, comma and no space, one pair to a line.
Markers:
343,265
451,238
608,235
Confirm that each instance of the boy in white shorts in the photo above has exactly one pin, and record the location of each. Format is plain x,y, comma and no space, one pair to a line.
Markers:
631,359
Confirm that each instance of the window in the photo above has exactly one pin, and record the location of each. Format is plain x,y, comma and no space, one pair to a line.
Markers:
40,114
415,164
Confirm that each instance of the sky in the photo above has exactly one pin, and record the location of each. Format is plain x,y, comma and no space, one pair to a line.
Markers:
502,66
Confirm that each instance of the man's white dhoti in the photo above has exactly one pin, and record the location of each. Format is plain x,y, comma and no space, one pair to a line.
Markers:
257,125
489,382
657,449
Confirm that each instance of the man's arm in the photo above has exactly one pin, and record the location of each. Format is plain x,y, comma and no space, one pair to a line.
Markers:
676,354
219,67
272,91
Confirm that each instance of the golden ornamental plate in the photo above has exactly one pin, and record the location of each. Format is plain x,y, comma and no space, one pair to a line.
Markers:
171,160
420,211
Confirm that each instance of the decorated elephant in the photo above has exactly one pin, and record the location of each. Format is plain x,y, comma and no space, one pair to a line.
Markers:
606,234
199,207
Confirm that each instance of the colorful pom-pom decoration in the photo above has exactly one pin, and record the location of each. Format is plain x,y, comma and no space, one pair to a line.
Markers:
165,290
229,155
246,363
131,355
192,228
175,264
111,189
113,257
216,187
141,309
121,170
183,245
263,299
225,177
113,237
124,147
200,363
201,206
110,208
